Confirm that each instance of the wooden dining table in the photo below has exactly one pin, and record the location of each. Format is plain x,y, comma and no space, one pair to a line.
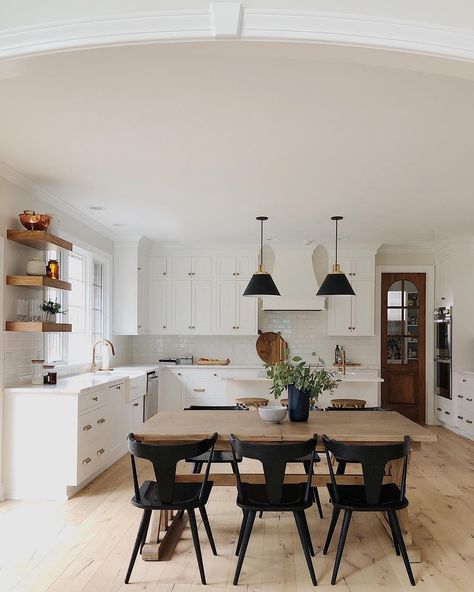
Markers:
375,427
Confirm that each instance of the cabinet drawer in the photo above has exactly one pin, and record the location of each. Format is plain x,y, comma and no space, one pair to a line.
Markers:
92,424
92,400
465,385
92,457
466,423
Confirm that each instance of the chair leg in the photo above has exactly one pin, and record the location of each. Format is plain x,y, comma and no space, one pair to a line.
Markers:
305,543
260,514
308,535
318,501
145,532
332,526
340,545
197,546
241,532
394,536
234,467
197,467
141,529
245,541
207,526
402,547
341,467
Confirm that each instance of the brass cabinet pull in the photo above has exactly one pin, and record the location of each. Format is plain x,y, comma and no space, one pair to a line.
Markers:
95,398
135,404
448,412
101,451
164,327
470,400
199,390
438,409
464,380
87,460
87,428
460,397
101,420
460,417
468,421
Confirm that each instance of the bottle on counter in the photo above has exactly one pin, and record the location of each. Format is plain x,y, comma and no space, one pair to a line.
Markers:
337,355
37,372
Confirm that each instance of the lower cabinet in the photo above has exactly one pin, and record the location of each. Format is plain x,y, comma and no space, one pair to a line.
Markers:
458,412
57,443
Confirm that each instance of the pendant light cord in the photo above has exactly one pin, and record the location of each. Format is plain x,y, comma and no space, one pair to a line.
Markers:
336,240
261,245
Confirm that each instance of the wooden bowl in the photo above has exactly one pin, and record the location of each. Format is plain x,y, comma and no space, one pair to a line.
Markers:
33,221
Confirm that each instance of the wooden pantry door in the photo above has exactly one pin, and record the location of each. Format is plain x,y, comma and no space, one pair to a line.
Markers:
403,352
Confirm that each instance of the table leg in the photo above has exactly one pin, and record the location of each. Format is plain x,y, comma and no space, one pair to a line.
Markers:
170,526
414,553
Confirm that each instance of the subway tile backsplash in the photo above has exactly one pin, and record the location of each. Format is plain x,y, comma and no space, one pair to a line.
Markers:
305,332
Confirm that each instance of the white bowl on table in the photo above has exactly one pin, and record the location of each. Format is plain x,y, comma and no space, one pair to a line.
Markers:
272,414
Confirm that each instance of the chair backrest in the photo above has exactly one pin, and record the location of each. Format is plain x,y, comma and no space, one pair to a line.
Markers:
164,458
373,458
215,408
356,409
274,458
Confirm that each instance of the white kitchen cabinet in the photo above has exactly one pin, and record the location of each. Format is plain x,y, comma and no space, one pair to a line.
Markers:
445,266
129,287
186,266
354,315
234,314
134,415
115,420
201,318
231,267
157,267
463,403
159,307
172,382
191,307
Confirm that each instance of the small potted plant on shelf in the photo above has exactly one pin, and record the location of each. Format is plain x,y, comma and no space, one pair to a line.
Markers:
305,384
51,310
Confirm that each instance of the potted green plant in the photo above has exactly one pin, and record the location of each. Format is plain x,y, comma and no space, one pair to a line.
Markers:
50,310
305,383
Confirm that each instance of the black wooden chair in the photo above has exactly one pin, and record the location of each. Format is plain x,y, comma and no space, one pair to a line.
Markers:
274,495
218,456
166,494
372,496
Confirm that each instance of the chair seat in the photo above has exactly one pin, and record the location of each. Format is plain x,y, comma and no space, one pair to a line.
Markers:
219,456
352,497
185,495
254,497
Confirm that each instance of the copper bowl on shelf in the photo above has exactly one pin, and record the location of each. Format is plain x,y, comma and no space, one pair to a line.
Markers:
33,221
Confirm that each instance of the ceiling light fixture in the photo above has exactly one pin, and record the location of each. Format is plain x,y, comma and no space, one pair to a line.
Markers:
261,283
336,282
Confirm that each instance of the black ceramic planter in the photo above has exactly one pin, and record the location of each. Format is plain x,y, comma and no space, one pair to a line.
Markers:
298,404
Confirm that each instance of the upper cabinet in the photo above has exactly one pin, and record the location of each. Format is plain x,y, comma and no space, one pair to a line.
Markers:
199,293
445,266
130,287
354,315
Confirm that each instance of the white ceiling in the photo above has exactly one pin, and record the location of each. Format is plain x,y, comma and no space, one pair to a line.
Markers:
189,142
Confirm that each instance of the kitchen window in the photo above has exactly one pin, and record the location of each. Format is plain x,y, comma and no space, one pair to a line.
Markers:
85,306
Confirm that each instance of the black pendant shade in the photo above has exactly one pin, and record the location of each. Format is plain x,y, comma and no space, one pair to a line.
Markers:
261,283
336,282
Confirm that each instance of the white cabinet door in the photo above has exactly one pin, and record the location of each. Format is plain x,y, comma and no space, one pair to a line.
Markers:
157,267
180,266
340,315
201,306
246,314
362,268
362,307
225,267
201,267
443,280
158,307
246,266
170,391
181,306
117,427
225,313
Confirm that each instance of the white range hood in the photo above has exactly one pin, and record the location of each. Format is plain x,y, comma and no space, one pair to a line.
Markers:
293,274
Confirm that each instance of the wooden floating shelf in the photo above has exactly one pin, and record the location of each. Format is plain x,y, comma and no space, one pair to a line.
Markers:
38,327
39,239
37,281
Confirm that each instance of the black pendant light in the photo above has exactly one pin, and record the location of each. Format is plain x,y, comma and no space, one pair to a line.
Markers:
336,282
261,283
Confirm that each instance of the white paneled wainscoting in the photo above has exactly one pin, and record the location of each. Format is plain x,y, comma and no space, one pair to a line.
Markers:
305,332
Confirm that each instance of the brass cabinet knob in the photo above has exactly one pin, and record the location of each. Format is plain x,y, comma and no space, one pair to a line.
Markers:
86,461
87,428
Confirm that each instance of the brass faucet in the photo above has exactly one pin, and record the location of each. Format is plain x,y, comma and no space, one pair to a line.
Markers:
112,348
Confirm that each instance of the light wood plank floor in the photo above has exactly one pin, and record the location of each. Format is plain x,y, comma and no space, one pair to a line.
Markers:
84,544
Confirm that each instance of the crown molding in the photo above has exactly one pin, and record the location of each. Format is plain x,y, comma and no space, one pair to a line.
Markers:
50,198
231,19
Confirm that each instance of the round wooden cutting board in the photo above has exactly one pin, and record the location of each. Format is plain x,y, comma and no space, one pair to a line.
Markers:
271,347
